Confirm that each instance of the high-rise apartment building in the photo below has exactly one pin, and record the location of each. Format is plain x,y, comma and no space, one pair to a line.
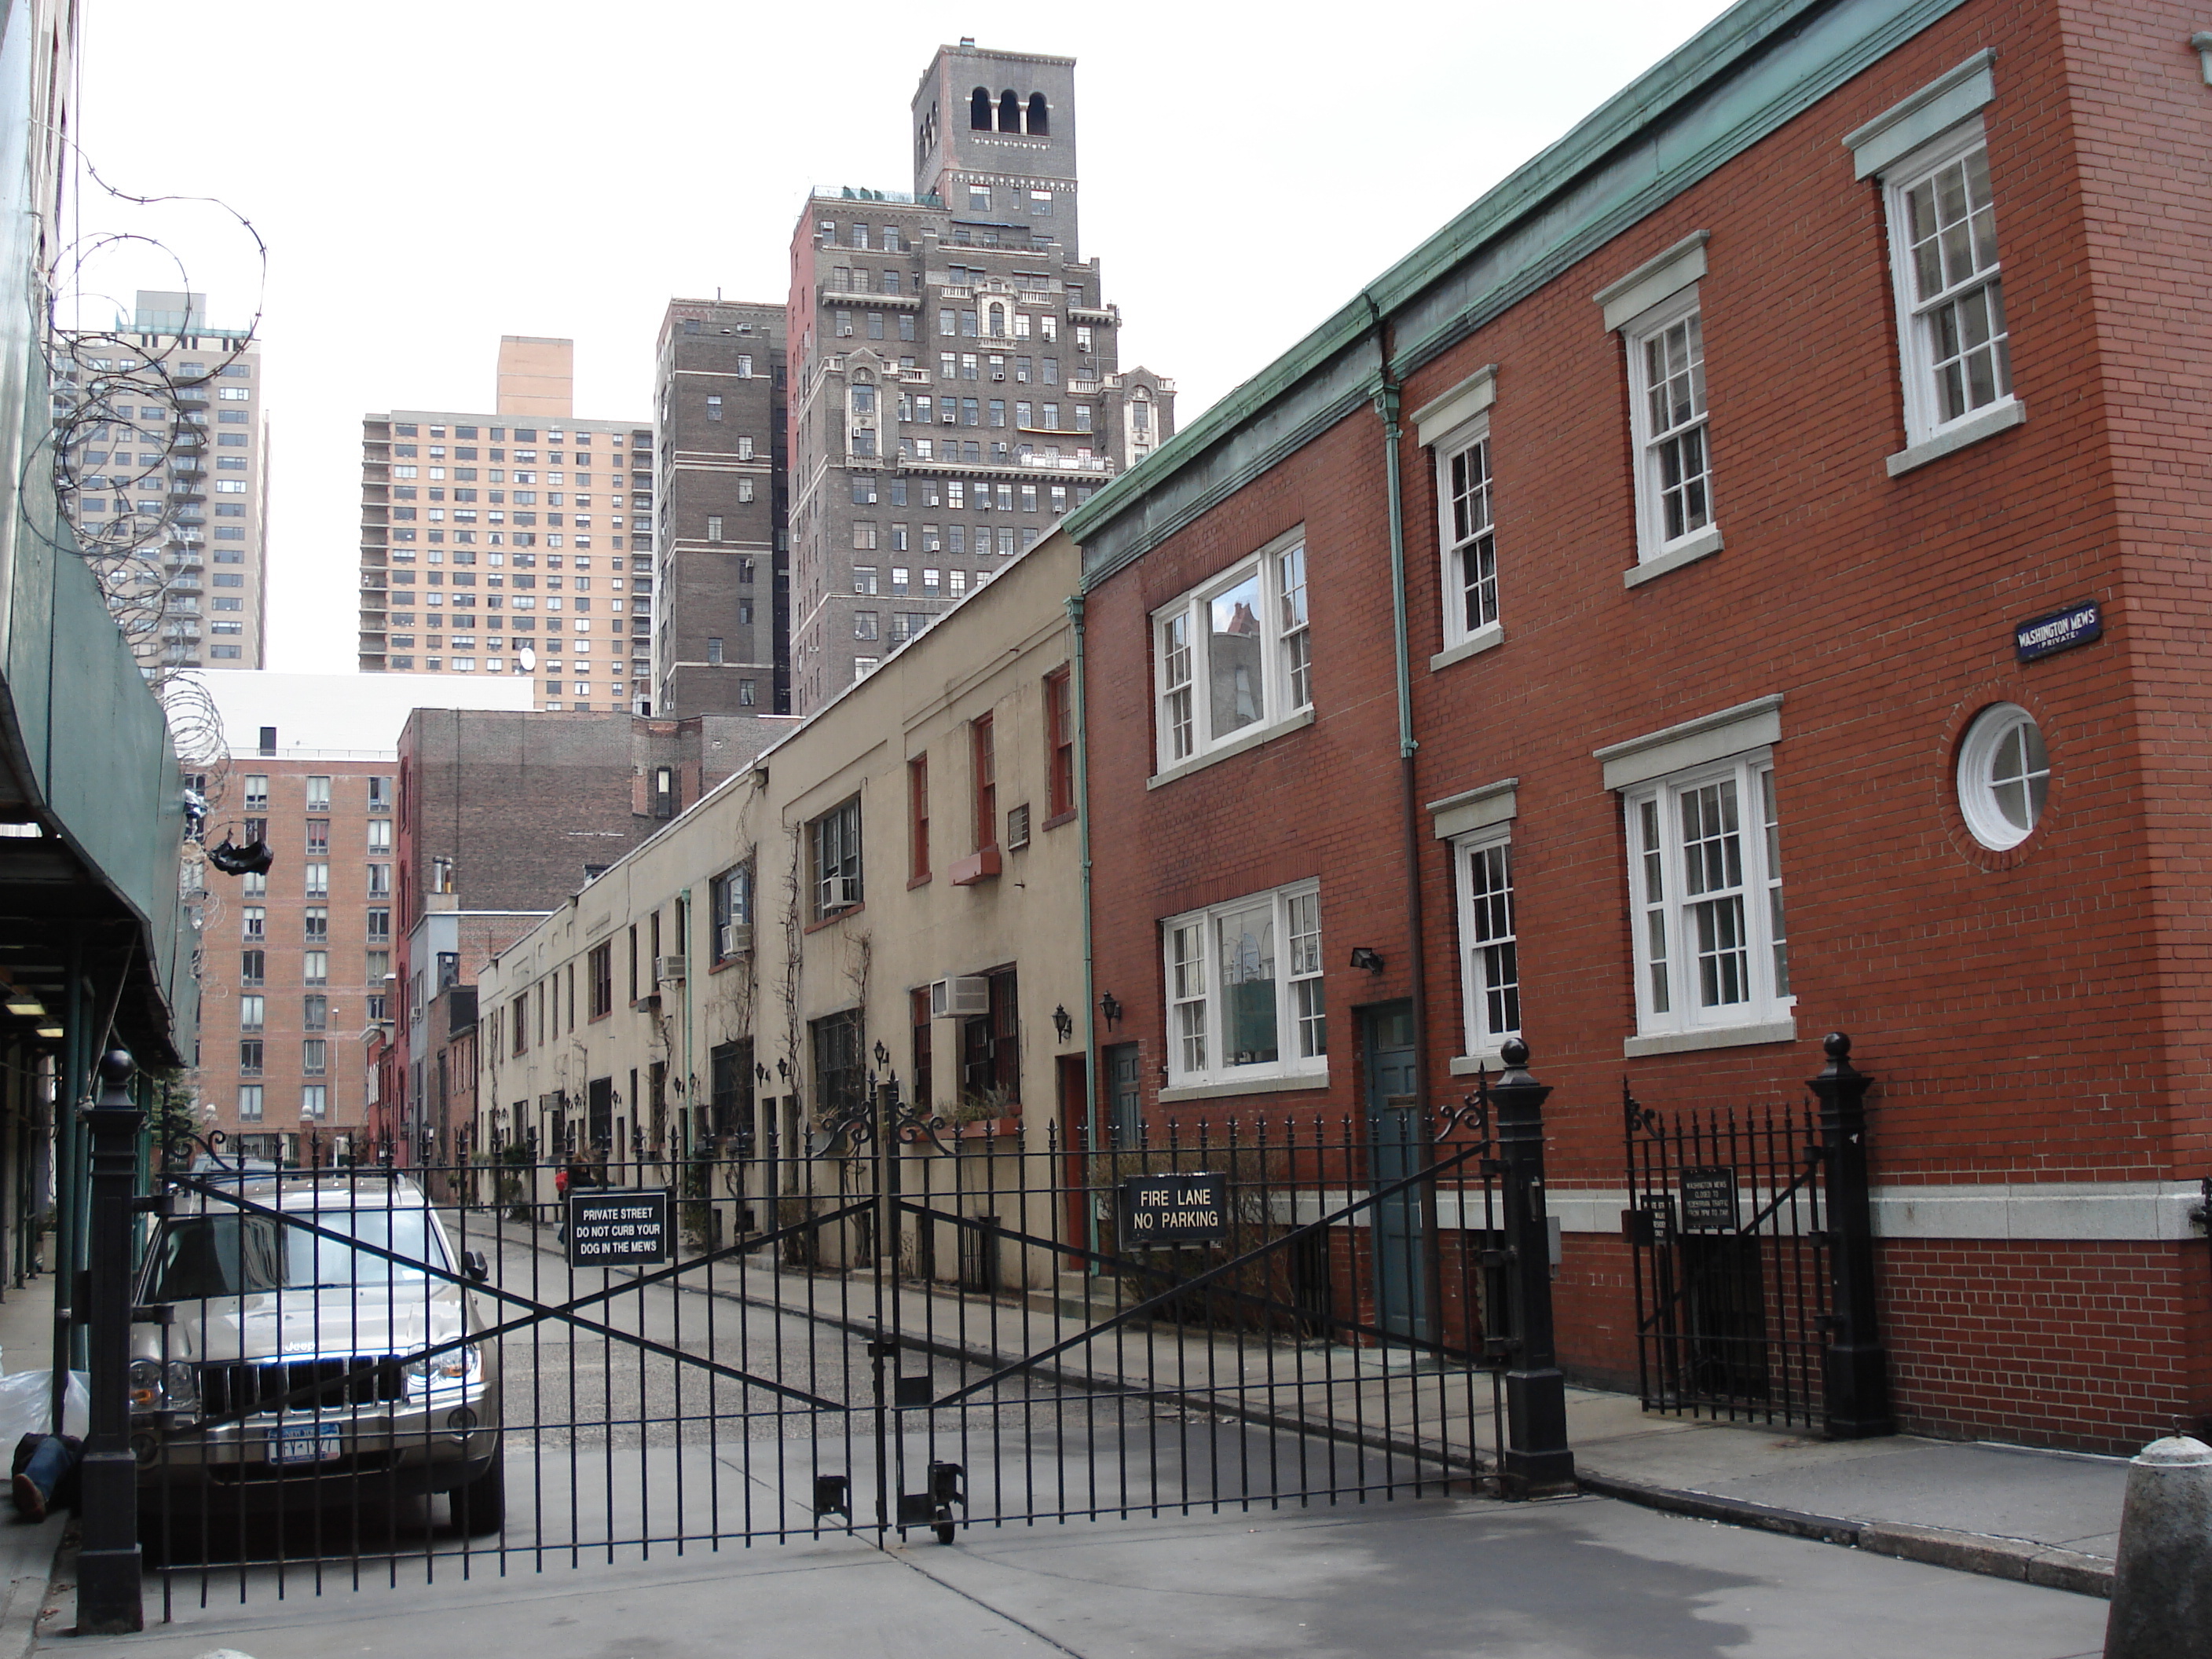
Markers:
162,448
955,385
294,964
513,544
723,625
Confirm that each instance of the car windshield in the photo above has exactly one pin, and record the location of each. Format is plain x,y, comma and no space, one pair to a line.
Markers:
243,1255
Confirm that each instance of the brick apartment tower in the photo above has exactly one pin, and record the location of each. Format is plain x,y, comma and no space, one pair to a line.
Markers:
512,543
957,384
724,566
295,961
177,466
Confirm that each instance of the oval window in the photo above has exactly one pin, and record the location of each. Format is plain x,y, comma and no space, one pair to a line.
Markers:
2004,773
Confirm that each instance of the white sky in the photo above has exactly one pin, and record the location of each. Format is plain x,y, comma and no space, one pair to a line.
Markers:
429,176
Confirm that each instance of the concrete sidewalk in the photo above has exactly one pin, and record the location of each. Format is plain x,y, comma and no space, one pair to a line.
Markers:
28,1550
2041,1518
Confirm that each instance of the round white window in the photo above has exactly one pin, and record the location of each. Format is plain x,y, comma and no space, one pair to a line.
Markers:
2004,772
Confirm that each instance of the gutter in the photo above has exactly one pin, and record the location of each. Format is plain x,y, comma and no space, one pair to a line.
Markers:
1083,836
1386,405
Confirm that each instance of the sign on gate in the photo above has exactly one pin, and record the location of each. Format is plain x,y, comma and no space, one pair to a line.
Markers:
608,1230
1709,1199
1177,1209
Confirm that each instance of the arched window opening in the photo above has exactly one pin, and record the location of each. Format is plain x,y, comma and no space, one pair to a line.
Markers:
998,315
979,110
1010,111
1039,119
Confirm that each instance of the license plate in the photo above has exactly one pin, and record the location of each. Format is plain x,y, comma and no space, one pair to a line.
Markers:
306,1442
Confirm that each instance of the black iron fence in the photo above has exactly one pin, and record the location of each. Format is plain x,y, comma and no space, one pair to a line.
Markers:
511,1362
1753,1240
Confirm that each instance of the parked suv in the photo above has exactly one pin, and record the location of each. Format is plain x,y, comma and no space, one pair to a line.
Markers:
291,1348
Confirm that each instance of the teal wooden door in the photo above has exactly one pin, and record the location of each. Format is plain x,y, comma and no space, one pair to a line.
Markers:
1397,1147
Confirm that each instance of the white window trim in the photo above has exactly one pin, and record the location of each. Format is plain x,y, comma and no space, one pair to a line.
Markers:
1277,718
1655,555
1462,641
1926,438
1480,1046
1969,776
1290,1070
1764,1017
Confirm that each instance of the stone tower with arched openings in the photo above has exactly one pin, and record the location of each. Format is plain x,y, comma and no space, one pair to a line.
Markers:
994,138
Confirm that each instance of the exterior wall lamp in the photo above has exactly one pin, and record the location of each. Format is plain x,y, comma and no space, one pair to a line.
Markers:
1370,960
1110,1006
1062,1022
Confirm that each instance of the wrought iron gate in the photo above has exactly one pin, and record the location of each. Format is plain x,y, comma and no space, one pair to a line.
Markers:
349,1375
1752,1234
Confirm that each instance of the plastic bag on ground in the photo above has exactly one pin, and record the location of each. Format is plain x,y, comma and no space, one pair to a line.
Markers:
26,1405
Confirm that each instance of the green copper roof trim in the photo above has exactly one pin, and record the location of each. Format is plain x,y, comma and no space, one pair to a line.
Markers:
1750,71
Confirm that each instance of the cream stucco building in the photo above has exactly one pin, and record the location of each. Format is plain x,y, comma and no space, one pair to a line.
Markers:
894,889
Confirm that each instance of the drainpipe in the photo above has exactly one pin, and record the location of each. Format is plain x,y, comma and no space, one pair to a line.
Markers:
1090,985
1386,405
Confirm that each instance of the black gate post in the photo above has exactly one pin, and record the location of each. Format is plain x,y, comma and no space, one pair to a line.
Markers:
1855,1369
1536,1461
108,1588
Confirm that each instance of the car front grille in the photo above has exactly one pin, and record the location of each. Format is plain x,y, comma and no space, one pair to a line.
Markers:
240,1389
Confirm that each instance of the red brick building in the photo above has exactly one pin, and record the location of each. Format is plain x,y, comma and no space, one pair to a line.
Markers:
1752,448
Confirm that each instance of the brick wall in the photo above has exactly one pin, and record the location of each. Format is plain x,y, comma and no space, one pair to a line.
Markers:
2031,1015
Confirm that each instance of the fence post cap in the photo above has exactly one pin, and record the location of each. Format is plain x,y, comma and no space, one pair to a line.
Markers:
1836,1045
2175,1451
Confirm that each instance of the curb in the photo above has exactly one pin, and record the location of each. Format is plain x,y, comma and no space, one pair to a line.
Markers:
2018,1559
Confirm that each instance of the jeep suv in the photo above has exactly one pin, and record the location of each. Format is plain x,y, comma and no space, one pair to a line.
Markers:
289,1346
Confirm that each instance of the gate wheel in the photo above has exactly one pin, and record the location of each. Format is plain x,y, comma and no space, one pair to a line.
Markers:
945,1530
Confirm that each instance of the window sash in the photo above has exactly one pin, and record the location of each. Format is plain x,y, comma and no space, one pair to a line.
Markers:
1675,464
1469,536
1956,344
1705,883
1234,655
1245,989
1489,965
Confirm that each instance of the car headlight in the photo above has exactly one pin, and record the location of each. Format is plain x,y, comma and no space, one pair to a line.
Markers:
450,1366
155,1387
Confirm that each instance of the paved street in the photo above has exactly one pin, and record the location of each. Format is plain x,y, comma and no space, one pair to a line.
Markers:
1448,1575
1583,1579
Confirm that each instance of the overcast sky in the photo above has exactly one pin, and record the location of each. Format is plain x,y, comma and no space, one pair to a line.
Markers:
430,176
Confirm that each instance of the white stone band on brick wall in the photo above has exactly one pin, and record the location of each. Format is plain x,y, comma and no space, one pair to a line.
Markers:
2146,1211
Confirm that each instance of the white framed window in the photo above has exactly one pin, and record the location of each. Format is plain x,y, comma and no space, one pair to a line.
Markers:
1245,993
1952,343
1470,537
1490,958
2003,775
1705,884
1233,659
1667,407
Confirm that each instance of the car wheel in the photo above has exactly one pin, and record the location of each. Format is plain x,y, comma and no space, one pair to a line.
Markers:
480,1507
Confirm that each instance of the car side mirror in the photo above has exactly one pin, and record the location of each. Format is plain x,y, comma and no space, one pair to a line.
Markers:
474,1267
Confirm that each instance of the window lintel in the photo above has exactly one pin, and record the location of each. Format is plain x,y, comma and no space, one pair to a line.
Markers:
1746,727
1475,809
1904,126
1657,279
1440,417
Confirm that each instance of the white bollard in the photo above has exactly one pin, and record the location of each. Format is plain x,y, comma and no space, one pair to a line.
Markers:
2162,1590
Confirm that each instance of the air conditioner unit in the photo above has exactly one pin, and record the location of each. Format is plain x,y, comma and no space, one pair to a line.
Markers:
959,999
668,970
736,936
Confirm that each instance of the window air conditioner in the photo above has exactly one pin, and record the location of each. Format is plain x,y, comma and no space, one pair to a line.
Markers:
668,970
959,999
737,936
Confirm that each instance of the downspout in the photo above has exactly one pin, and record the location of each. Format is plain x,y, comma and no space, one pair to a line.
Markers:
1090,986
1386,405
